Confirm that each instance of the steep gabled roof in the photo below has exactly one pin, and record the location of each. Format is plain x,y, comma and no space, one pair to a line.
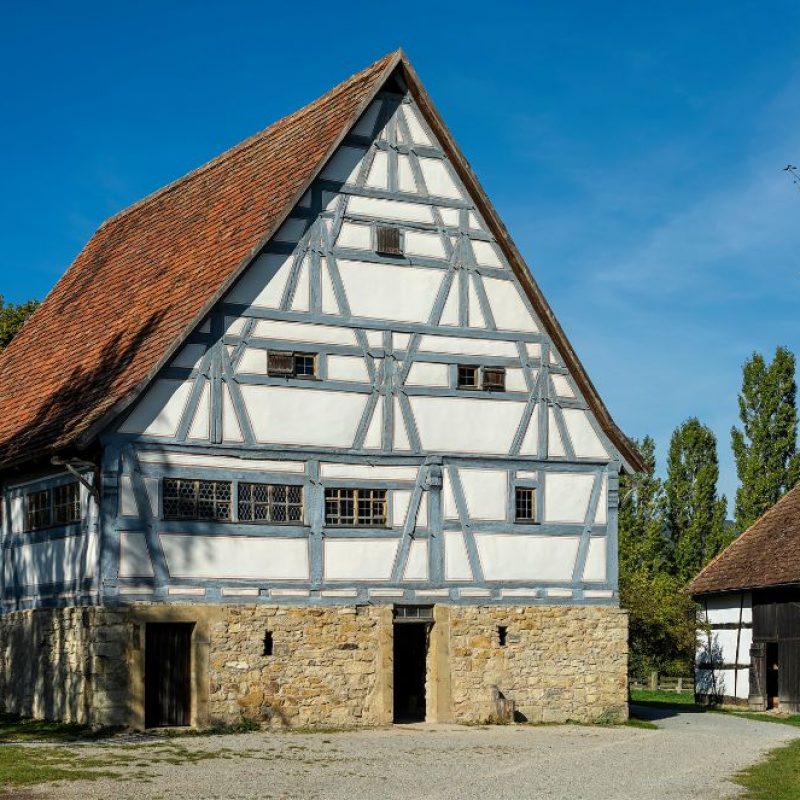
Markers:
766,554
150,274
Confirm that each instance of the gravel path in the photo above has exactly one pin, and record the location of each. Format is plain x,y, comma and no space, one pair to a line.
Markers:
690,756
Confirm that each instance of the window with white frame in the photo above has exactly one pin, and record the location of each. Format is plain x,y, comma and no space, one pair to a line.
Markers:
59,505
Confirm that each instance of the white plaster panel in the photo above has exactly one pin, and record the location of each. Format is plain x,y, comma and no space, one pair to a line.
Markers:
355,236
522,558
405,175
367,472
428,373
254,557
303,332
534,350
417,563
449,314
419,243
151,488
253,361
585,441
159,412
486,492
347,368
374,435
450,216
390,292
400,502
530,441
456,560
330,303
190,356
303,416
415,128
561,386
508,308
485,254
465,424
390,209
375,339
231,430
378,177
291,230
134,559
422,512
263,282
555,445
127,501
457,345
724,646
343,165
359,559
54,561
400,340
595,567
450,509
724,681
175,459
476,318
300,300
17,514
400,434
566,496
438,179
515,380
725,609
601,515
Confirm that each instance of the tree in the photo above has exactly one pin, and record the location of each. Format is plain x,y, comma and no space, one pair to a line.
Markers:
695,516
765,448
641,516
12,318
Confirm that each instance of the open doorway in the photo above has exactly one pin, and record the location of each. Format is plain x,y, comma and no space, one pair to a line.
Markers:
773,673
167,674
410,660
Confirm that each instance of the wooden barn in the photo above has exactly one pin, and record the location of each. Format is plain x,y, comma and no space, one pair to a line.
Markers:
297,438
749,633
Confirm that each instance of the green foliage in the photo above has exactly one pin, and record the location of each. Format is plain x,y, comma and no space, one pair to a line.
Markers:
765,447
12,318
662,622
641,516
695,516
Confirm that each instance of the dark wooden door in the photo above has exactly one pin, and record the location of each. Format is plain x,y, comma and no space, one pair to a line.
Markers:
167,674
410,656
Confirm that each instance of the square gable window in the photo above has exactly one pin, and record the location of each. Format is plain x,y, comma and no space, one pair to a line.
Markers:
525,505
387,241
283,364
468,377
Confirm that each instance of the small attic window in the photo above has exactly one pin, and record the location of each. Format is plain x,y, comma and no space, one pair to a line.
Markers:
387,241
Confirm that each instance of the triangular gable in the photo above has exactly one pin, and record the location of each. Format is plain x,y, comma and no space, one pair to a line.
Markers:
295,290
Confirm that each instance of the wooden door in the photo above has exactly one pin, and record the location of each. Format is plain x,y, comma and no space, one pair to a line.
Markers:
167,674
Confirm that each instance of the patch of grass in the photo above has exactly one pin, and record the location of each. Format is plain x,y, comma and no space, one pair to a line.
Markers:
633,722
788,719
25,766
776,778
22,729
661,698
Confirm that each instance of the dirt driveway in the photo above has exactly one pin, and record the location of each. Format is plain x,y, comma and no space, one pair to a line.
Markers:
691,755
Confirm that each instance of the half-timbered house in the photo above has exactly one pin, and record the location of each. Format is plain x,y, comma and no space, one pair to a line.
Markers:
298,438
749,621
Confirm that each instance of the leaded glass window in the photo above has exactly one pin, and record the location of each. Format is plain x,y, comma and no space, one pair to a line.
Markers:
266,502
66,503
196,499
38,510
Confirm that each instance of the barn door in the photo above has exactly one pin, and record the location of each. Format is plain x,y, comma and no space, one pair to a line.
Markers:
167,674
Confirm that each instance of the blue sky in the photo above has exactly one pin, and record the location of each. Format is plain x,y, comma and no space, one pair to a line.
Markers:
633,149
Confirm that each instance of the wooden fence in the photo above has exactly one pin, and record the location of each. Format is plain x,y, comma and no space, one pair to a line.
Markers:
664,683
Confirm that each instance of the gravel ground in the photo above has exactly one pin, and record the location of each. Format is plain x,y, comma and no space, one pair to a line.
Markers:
691,756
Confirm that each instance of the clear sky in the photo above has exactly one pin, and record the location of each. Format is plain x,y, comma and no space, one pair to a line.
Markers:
633,149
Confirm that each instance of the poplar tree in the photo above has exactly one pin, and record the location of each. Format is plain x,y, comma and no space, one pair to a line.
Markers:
641,516
765,447
12,318
695,516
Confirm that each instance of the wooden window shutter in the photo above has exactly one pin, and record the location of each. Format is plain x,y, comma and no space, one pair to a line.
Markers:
280,363
388,241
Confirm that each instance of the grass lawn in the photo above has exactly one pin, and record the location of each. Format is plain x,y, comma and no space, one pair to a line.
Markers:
776,778
17,729
647,697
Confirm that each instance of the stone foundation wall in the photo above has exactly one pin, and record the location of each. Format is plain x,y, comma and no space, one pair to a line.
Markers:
559,663
65,664
329,667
